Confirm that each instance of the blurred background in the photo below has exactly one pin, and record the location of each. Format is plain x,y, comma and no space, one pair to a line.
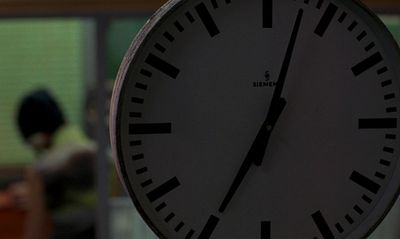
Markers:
69,51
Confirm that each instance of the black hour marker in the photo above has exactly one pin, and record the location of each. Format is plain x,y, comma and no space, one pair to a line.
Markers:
169,37
370,46
266,230
160,47
306,1
342,17
352,26
207,19
319,4
146,73
326,20
367,64
365,182
162,66
137,100
209,227
383,123
162,128
267,13
163,189
179,26
361,36
322,225
214,3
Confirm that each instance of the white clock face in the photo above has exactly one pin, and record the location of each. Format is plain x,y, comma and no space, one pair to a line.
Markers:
316,80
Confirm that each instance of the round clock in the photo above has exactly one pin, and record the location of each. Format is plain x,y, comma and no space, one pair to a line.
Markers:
260,119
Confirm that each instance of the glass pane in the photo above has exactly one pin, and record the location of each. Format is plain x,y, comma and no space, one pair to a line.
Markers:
120,35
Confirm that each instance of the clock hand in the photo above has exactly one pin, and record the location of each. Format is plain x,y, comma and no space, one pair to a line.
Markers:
257,150
237,181
275,108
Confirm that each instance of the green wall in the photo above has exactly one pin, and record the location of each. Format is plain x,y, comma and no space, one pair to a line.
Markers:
38,53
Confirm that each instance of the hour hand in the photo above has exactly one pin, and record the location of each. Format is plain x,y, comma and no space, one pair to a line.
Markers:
257,150
262,139
275,112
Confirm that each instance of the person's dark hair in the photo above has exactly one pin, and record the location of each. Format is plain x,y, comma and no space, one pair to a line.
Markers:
39,112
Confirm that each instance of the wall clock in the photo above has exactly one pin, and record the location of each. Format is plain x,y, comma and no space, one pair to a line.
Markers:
260,119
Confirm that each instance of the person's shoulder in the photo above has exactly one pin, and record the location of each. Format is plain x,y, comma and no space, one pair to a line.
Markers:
71,135
68,143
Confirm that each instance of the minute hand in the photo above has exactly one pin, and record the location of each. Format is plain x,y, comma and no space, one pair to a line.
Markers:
257,150
277,102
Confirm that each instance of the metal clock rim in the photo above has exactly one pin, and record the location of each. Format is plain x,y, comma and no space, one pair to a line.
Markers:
389,36
115,133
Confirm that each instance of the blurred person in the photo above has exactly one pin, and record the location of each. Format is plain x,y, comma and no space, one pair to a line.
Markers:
58,191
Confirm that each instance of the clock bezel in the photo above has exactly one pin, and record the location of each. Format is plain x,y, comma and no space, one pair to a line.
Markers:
371,222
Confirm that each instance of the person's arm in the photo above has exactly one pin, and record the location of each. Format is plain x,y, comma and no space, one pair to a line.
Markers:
38,224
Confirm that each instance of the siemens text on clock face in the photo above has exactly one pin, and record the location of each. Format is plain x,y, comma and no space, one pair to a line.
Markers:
260,119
